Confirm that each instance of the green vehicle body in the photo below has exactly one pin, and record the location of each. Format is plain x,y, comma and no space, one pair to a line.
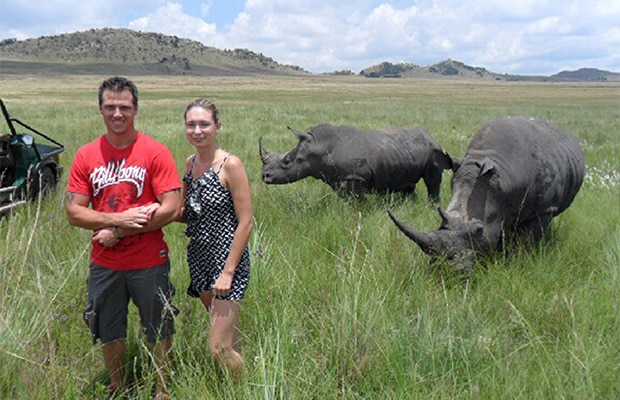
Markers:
28,169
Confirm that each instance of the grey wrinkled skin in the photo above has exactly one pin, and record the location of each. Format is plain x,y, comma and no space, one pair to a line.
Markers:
355,161
517,174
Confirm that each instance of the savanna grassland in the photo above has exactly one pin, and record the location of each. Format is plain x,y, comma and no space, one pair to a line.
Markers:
341,304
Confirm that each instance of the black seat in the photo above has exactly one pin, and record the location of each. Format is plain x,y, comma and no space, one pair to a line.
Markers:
7,161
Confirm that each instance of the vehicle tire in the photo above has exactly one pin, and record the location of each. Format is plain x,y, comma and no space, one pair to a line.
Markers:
44,181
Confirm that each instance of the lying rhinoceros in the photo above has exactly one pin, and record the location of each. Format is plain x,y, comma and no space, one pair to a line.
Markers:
517,174
356,161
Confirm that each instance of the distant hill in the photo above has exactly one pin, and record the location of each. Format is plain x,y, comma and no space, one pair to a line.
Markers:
124,51
128,52
587,74
444,69
450,69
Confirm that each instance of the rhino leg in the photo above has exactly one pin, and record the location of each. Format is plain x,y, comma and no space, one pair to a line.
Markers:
432,180
532,230
352,187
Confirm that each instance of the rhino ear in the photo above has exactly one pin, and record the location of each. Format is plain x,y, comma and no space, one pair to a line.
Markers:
456,163
486,165
300,134
446,161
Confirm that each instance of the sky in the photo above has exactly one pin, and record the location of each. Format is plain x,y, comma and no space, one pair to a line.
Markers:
527,37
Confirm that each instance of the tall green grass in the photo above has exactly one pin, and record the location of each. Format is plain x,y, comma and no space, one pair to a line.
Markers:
341,304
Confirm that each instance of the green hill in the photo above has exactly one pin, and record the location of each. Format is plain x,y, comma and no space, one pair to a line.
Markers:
450,69
126,51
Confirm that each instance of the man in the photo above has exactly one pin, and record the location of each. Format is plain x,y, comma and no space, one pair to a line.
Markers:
124,186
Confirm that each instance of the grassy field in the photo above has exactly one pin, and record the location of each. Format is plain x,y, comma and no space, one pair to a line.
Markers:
341,304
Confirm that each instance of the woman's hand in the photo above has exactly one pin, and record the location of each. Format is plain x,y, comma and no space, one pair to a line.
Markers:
223,284
150,210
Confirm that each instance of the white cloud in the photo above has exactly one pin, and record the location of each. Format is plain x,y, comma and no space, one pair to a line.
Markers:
26,19
205,8
170,19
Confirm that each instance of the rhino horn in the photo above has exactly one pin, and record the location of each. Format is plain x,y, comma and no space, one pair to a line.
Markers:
264,153
446,219
423,239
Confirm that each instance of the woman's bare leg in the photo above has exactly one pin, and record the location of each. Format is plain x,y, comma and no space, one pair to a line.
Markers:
223,342
207,299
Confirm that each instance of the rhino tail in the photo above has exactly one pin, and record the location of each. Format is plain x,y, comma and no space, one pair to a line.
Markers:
446,161
422,239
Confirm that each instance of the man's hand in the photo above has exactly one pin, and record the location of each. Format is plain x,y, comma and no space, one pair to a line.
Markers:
105,237
137,217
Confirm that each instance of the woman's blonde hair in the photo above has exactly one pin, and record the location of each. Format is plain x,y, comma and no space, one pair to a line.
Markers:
205,105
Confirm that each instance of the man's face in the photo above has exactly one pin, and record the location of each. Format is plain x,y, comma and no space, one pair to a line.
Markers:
118,111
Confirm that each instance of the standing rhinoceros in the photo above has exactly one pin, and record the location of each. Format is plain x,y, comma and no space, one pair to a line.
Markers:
356,161
517,174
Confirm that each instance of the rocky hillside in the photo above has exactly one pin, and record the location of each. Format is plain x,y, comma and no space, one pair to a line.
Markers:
451,69
127,51
444,69
124,51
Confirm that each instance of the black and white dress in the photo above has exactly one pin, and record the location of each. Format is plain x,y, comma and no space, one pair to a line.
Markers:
211,225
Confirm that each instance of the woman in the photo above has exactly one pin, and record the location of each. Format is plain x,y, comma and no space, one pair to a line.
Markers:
218,212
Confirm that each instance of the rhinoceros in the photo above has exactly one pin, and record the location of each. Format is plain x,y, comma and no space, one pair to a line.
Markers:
355,161
517,174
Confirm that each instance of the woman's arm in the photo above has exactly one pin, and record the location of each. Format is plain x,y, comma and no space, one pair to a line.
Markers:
236,179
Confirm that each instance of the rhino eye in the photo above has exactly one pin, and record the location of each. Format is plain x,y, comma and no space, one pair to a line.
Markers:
286,162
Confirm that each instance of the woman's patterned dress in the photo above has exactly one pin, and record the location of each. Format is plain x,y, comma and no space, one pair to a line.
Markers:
211,225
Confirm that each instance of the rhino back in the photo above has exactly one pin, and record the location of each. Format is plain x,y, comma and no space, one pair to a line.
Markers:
538,169
396,143
560,169
393,158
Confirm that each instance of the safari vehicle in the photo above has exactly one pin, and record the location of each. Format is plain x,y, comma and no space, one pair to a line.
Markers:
27,168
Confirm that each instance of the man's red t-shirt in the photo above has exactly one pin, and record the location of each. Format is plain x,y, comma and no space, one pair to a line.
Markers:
118,179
